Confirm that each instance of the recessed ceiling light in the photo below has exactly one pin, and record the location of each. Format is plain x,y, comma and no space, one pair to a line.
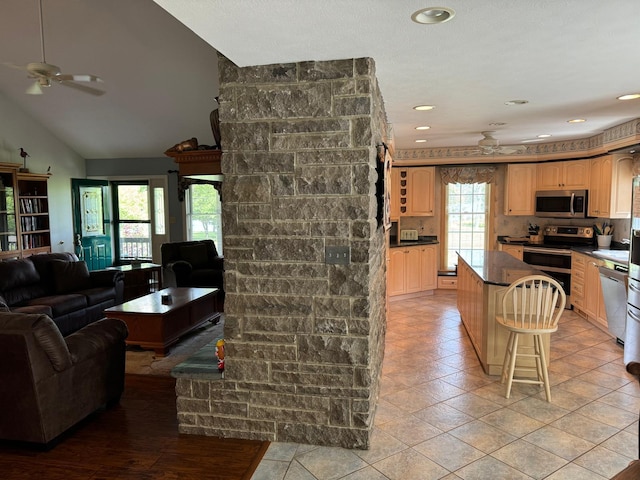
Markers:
422,108
423,127
629,96
421,141
433,15
544,135
497,124
516,102
577,120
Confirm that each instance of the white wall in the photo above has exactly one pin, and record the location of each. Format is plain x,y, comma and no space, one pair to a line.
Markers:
19,129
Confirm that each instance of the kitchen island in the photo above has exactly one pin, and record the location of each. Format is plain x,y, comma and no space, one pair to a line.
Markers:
480,291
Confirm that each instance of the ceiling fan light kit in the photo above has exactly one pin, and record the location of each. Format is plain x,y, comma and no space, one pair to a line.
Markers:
489,145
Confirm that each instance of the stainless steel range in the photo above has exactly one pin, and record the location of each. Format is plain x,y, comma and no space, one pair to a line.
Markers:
553,257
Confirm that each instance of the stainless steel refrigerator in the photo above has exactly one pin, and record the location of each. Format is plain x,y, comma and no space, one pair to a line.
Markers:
633,292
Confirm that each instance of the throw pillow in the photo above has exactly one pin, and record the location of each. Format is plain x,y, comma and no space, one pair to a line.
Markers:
70,276
196,255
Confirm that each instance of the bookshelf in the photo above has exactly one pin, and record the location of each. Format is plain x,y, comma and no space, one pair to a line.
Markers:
33,213
9,247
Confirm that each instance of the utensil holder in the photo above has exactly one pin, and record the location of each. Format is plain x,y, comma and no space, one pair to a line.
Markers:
604,241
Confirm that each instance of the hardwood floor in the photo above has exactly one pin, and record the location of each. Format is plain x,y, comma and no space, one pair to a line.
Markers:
137,439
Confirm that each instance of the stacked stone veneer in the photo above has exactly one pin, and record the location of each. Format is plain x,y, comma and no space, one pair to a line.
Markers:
305,339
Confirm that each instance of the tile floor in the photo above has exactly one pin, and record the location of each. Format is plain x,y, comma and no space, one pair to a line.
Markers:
440,416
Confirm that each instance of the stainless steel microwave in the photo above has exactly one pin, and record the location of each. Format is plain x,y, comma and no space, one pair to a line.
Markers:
561,203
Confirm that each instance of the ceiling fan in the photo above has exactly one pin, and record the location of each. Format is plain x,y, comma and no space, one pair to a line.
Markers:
489,145
46,74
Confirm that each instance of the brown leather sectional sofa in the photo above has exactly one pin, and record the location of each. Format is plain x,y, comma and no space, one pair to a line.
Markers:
60,286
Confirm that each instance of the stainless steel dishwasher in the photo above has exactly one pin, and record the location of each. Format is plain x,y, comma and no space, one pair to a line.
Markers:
614,278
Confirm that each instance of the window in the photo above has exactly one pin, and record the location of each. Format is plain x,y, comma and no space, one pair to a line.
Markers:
466,220
204,212
132,223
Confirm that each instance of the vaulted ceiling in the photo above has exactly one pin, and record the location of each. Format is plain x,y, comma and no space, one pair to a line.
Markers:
569,59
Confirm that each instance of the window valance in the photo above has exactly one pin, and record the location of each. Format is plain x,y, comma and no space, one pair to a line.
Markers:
479,174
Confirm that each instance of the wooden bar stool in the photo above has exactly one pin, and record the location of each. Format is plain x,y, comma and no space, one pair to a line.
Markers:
531,306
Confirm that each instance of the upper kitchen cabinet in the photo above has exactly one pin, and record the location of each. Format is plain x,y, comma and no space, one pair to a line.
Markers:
520,186
572,175
610,190
412,192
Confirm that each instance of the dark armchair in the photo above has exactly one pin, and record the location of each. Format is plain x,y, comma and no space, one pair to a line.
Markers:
50,382
192,264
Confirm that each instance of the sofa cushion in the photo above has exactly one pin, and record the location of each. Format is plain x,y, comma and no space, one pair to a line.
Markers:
69,276
61,304
43,267
50,339
98,295
17,273
41,309
196,254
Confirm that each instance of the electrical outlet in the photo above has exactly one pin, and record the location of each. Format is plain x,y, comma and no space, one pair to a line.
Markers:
337,255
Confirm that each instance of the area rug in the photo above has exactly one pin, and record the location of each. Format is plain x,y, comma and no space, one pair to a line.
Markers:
145,362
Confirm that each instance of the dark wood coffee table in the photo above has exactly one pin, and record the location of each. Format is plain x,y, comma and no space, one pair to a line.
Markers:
155,325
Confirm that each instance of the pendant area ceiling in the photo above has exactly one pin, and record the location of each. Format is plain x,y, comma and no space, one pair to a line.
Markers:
568,59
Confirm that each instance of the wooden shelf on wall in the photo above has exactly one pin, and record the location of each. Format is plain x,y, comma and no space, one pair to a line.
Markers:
198,162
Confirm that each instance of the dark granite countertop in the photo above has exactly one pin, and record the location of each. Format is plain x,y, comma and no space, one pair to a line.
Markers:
500,268
422,240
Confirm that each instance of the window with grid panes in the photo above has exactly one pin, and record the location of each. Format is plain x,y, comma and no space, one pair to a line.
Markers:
466,220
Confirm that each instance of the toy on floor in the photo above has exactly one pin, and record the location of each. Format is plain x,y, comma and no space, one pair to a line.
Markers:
220,354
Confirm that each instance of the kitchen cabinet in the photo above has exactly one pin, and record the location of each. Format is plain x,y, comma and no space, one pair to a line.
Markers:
479,300
395,195
471,305
610,189
520,188
578,268
516,251
412,269
571,175
586,292
414,191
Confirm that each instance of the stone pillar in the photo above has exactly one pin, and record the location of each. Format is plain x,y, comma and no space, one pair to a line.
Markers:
305,339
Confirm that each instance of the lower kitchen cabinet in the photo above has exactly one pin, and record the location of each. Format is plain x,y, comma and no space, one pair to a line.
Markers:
412,269
516,251
586,292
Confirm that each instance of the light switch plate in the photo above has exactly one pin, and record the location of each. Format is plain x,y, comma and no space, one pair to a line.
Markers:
337,255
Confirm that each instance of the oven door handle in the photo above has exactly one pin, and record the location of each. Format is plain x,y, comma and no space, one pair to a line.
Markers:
548,251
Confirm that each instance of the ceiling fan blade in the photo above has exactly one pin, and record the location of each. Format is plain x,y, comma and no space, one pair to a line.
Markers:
82,88
79,77
13,65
